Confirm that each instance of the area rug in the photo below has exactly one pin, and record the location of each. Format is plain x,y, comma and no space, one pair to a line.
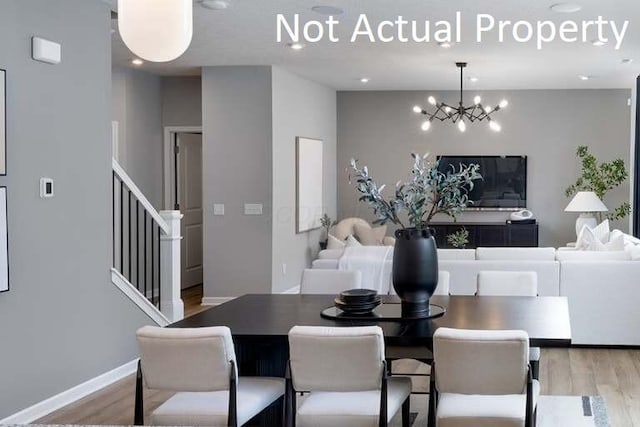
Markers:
574,411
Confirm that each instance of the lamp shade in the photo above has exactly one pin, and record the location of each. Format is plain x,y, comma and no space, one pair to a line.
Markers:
156,30
586,201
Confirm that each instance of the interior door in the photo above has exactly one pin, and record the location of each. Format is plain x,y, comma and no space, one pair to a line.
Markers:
189,164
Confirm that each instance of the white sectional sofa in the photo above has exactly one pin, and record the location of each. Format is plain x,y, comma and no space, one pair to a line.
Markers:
603,288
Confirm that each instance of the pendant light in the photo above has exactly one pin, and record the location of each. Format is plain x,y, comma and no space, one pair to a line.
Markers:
457,115
156,30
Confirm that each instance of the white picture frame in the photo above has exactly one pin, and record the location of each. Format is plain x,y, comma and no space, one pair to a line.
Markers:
309,179
4,242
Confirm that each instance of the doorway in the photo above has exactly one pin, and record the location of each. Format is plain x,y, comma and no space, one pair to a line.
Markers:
183,192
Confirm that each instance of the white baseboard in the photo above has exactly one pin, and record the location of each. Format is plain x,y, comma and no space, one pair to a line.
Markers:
215,300
41,409
294,290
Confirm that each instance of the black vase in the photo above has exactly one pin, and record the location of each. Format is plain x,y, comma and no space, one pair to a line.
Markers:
415,270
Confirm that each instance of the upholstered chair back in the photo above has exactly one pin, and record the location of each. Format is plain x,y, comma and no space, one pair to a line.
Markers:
320,281
336,359
480,362
186,359
508,283
346,227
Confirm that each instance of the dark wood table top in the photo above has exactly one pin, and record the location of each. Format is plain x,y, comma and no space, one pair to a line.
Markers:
255,316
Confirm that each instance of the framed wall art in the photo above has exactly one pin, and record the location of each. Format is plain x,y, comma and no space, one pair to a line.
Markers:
4,242
309,176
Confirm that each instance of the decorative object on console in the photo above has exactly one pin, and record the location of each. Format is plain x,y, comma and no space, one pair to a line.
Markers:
327,223
523,215
459,239
473,113
309,178
600,178
586,202
429,192
158,31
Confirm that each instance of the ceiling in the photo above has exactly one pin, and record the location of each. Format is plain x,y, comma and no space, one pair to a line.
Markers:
245,34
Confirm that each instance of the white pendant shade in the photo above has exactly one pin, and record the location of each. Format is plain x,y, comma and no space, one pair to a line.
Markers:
156,30
586,201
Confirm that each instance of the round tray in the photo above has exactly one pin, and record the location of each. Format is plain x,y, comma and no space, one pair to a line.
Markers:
384,312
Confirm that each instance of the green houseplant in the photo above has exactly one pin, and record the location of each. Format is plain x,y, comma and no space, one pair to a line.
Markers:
428,192
459,239
600,178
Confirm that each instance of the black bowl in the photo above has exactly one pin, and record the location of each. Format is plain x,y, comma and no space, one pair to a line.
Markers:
357,296
357,308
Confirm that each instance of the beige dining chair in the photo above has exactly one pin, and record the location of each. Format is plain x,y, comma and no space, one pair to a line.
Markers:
199,364
343,374
482,379
512,283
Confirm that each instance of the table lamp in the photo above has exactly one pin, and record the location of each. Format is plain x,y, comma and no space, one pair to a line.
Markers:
586,202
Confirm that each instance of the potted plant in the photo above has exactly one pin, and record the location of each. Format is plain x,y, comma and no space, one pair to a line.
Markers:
428,192
600,178
459,239
326,223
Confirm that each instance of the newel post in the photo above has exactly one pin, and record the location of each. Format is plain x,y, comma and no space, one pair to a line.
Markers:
170,302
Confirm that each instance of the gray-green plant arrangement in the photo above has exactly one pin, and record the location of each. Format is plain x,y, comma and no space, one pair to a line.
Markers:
427,193
459,239
326,223
600,178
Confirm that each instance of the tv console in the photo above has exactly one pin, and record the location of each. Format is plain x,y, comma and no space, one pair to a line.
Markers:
488,234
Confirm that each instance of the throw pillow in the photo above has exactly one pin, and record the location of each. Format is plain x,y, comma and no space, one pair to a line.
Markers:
615,244
635,253
334,243
601,231
593,239
370,236
352,241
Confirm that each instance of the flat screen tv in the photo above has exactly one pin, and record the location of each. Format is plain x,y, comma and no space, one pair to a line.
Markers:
504,183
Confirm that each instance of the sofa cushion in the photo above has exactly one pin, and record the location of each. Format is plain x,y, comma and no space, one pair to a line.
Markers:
456,254
635,253
352,241
514,254
592,256
333,243
370,236
591,239
330,254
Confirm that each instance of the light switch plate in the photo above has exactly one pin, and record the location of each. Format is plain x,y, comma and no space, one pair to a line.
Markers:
253,208
46,188
218,209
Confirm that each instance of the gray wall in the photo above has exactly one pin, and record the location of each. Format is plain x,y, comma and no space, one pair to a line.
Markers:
137,106
236,107
380,130
63,322
300,108
182,101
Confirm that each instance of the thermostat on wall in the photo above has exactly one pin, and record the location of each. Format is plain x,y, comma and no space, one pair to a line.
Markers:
47,51
46,188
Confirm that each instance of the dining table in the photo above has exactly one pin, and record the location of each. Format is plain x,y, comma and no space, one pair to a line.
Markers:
260,324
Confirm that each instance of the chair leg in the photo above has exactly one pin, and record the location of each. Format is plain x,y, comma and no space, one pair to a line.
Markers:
406,412
431,420
138,416
535,369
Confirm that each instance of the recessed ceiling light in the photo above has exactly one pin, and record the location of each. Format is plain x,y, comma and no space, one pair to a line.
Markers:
327,10
137,62
473,79
364,80
296,46
445,45
598,42
627,60
584,78
566,7
214,4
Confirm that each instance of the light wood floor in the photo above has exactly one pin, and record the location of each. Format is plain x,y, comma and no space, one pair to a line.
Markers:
614,374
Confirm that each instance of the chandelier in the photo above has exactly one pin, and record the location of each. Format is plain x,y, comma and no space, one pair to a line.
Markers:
458,115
